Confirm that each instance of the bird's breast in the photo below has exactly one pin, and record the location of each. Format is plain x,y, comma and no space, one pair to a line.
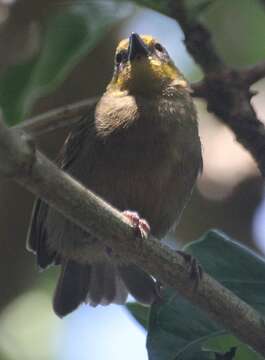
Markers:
148,165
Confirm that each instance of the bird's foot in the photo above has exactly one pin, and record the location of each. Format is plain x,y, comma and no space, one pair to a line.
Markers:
140,226
194,268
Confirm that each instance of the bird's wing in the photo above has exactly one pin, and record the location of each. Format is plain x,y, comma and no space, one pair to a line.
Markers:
82,131
37,234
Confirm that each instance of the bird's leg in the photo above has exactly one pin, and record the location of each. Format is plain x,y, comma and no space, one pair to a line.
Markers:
194,268
141,226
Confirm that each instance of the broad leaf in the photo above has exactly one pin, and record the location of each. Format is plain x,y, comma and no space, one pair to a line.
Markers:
179,330
222,344
139,312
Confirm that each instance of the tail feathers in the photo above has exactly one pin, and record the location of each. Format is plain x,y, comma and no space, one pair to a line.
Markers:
100,283
45,257
142,287
94,284
121,291
105,286
72,287
36,228
37,235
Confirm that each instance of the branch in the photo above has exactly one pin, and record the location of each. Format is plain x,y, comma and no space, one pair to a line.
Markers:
20,161
226,90
253,74
62,117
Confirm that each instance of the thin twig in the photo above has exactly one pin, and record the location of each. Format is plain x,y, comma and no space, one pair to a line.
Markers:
20,161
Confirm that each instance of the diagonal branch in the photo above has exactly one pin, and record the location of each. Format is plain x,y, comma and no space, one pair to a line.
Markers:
20,161
226,90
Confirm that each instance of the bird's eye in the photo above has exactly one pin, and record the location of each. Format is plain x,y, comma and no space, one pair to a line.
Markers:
121,56
159,47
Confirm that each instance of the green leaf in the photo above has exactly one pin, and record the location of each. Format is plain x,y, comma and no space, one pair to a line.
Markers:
69,36
179,330
221,18
224,343
13,91
228,355
233,264
139,312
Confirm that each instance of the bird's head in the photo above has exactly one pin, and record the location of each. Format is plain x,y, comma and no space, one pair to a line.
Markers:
143,66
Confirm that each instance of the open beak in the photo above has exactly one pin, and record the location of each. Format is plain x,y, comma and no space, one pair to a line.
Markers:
137,48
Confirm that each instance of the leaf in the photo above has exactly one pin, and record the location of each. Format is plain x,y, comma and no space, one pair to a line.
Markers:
229,355
139,312
224,343
13,89
179,330
69,36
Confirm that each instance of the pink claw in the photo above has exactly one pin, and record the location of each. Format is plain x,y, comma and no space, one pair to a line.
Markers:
141,226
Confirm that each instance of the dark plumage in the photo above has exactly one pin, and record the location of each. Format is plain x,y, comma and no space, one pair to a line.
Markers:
139,149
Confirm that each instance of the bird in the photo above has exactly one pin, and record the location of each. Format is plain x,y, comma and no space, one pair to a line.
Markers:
139,149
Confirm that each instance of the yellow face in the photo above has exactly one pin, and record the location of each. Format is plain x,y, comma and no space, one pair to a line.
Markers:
142,64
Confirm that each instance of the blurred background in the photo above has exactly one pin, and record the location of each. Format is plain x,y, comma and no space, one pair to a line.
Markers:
56,52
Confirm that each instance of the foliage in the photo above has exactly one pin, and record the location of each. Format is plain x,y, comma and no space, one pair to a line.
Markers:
178,330
69,36
139,312
73,32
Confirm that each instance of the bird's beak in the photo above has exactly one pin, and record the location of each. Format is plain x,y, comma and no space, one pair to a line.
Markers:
137,48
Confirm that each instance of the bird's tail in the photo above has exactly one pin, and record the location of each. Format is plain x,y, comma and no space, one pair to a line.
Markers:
100,283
